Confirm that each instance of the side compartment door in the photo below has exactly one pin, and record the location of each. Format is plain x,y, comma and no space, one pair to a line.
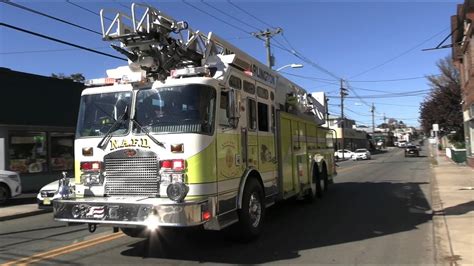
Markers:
252,135
301,160
286,155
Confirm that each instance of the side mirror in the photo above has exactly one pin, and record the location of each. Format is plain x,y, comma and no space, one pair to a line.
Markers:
233,108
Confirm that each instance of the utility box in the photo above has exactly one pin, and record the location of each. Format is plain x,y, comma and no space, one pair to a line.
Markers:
458,155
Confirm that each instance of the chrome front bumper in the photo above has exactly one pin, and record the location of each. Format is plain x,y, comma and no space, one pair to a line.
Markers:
132,211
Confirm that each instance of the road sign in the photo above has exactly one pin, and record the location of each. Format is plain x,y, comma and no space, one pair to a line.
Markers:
435,127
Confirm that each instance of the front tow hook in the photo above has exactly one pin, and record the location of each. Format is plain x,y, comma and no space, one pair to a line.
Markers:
92,227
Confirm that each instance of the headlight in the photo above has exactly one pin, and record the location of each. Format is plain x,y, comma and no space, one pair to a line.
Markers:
47,193
91,179
13,177
172,177
177,191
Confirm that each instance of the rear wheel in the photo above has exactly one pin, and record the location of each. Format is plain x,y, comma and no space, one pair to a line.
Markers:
322,184
312,193
252,213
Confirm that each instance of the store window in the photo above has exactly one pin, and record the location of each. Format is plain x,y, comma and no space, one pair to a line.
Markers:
28,152
62,151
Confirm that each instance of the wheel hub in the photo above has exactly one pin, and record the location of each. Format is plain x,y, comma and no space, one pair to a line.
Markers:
255,210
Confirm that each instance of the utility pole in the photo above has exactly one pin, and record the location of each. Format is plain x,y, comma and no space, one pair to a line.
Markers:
343,93
373,121
265,36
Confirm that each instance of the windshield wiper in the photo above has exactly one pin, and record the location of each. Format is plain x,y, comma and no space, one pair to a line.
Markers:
105,140
147,132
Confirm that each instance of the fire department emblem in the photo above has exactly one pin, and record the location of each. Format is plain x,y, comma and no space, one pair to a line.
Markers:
130,152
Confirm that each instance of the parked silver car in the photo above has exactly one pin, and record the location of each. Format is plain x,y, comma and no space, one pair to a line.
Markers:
10,185
48,193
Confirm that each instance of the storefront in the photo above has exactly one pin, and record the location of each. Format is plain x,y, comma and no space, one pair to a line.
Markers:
37,128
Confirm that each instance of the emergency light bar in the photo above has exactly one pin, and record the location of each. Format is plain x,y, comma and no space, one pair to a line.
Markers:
190,71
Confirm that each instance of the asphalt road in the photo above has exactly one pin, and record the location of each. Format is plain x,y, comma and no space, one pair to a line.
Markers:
377,212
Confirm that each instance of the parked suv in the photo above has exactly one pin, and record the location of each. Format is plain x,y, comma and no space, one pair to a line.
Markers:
10,185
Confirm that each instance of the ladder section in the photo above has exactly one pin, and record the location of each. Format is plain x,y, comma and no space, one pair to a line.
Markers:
155,42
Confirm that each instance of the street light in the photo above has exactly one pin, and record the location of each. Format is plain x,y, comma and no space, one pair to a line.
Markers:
290,65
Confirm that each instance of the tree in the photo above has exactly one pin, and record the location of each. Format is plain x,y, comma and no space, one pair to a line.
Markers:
443,104
77,77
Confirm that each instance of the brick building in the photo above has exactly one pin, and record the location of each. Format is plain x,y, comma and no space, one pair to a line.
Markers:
463,57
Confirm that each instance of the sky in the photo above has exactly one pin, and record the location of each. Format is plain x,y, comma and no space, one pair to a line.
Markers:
374,46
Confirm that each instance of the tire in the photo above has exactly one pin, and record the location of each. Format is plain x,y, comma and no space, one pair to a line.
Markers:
322,184
252,213
4,194
325,179
134,232
311,195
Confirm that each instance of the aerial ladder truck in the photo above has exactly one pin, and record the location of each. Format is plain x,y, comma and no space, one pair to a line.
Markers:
193,132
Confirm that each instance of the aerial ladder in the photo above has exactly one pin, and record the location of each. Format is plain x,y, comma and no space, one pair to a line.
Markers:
156,43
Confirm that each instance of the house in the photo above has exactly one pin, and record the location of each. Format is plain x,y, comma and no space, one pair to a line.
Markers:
463,58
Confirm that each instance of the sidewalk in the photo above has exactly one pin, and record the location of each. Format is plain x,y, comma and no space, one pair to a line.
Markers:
453,211
22,206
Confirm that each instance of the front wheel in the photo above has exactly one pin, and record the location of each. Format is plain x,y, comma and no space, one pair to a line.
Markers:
4,194
252,213
134,232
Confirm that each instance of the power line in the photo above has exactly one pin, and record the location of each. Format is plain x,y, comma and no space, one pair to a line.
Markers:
120,4
400,55
229,15
292,51
219,19
45,51
401,105
86,9
391,80
352,111
248,13
60,41
8,2
379,96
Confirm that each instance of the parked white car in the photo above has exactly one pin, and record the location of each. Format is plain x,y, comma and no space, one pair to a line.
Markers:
10,185
361,154
48,193
402,144
347,154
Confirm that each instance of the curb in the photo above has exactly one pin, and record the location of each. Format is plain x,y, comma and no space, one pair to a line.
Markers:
22,215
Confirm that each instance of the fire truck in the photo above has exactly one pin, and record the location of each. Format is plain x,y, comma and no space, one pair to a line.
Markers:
192,132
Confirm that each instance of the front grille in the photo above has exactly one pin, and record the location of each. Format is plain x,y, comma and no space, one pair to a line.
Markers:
137,176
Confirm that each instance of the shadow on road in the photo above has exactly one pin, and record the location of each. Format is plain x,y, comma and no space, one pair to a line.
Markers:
458,209
350,212
19,201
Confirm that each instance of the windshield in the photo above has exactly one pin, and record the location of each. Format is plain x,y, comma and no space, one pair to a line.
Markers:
188,108
361,150
98,112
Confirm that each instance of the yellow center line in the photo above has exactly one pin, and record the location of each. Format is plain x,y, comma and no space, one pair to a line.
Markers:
65,249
